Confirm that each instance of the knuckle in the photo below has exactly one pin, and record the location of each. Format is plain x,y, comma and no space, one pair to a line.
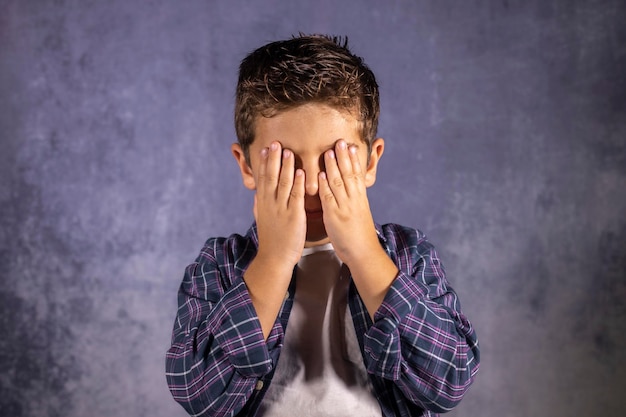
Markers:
337,182
328,197
293,195
354,177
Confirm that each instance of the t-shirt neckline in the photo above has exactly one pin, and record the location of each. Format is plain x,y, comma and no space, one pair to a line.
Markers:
314,249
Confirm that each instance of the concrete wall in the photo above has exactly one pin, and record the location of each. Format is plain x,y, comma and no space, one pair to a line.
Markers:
505,124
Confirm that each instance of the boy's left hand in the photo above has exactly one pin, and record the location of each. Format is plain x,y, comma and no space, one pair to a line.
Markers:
347,215
350,226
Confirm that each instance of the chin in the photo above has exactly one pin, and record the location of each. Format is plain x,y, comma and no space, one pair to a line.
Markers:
314,239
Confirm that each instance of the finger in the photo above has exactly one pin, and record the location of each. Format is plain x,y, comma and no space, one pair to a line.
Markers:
356,163
285,179
273,167
326,194
260,185
296,197
343,158
333,176
348,163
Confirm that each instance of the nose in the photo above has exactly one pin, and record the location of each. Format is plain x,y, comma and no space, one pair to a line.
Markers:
312,167
311,186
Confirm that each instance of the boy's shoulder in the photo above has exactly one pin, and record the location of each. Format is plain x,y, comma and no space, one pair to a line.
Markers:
235,246
408,248
393,234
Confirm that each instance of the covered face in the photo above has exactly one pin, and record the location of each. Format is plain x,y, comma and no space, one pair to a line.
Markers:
309,131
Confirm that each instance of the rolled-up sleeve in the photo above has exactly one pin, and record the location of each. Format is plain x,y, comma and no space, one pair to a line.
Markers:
419,338
218,351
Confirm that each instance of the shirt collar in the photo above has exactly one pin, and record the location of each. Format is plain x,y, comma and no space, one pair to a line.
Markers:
253,234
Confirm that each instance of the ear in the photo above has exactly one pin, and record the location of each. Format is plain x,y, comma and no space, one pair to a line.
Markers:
378,148
246,172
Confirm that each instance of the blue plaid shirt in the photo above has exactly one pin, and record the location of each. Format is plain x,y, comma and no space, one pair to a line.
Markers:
420,352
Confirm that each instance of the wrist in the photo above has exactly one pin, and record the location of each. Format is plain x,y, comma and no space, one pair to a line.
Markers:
373,274
267,280
355,255
276,263
367,258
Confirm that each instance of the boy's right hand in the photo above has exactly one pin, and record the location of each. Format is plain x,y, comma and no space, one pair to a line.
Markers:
279,208
281,227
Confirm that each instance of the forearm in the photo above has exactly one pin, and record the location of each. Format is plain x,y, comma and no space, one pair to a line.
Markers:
425,345
218,353
281,222
267,281
373,274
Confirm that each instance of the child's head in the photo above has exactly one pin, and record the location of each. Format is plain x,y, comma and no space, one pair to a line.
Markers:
305,69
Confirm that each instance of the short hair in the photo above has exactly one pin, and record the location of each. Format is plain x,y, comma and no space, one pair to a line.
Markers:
304,69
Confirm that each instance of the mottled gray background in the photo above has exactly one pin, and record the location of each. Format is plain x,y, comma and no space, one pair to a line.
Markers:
506,142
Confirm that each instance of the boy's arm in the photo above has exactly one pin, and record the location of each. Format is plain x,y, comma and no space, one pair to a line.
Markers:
281,224
218,352
350,226
417,338
420,340
219,349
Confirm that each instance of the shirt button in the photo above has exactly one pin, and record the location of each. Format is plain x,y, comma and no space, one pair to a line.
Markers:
259,385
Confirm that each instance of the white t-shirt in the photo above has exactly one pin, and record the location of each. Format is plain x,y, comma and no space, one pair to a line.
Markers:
320,371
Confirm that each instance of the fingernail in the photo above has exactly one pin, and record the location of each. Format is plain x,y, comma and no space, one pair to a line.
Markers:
353,149
274,146
286,154
263,152
331,154
342,144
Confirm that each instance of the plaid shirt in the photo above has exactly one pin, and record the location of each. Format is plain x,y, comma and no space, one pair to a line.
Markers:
421,352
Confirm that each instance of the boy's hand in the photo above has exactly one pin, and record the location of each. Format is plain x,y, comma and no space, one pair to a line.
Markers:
281,226
279,207
350,226
347,216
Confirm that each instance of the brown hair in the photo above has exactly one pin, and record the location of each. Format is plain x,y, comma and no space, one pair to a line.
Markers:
307,68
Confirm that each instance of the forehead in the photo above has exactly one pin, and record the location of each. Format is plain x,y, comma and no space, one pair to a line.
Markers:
309,128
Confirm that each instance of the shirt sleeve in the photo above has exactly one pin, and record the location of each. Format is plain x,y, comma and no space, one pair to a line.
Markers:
420,340
218,351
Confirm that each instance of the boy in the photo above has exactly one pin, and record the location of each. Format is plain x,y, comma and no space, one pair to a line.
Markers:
317,310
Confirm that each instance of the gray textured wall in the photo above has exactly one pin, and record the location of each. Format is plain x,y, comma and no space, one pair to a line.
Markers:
506,142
